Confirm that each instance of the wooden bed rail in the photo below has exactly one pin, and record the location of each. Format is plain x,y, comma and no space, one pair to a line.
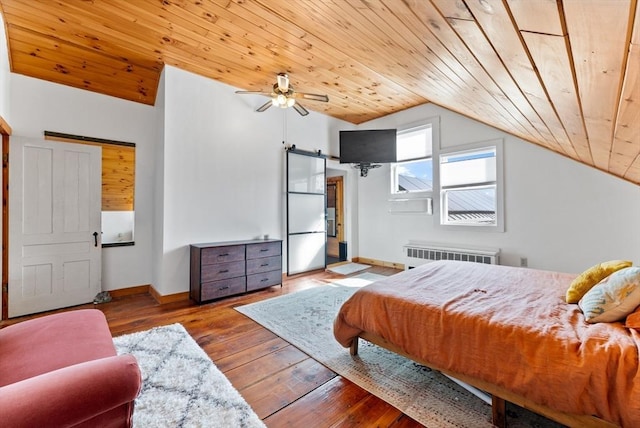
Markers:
499,395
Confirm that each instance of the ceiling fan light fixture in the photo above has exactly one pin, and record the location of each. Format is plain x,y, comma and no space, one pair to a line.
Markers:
284,96
281,101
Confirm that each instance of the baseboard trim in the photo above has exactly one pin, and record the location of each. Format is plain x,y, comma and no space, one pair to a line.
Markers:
169,298
130,291
375,262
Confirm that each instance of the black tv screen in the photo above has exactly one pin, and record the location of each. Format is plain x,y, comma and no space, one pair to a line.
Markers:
368,146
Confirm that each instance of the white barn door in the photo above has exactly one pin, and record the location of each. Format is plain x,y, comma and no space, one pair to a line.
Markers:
55,195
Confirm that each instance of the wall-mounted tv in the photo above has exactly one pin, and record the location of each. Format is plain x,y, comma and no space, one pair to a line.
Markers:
368,146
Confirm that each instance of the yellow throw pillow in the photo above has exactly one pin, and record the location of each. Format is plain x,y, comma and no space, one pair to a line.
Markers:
613,298
590,277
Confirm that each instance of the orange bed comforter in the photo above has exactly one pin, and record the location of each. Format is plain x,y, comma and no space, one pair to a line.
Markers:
507,326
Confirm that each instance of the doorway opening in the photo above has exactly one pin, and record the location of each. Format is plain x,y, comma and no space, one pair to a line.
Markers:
336,246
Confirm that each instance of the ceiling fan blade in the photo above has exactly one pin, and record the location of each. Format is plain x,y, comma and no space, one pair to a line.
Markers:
264,106
303,111
283,82
313,97
267,94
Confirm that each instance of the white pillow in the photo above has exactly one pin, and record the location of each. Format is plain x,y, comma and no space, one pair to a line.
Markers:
613,298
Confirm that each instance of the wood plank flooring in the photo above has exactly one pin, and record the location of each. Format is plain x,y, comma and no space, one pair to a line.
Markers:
284,386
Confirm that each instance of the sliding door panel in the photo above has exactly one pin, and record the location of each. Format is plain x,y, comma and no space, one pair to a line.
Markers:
306,212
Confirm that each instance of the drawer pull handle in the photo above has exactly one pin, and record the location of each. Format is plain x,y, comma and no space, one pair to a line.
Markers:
264,279
223,288
224,271
264,264
263,250
223,255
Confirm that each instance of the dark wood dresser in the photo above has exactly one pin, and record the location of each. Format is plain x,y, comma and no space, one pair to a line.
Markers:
220,269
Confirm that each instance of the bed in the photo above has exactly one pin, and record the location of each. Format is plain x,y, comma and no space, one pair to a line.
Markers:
507,331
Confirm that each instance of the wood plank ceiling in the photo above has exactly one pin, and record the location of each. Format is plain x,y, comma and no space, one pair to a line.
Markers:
563,74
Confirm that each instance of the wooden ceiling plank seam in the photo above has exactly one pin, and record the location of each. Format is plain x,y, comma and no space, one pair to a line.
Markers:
456,9
408,16
363,53
633,172
78,58
446,85
627,123
635,34
67,25
465,88
279,22
382,102
442,31
88,76
194,50
231,71
597,37
483,51
80,83
310,67
499,28
626,142
434,99
552,61
509,102
540,16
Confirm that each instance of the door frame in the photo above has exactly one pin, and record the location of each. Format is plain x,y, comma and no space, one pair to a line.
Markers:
5,130
338,181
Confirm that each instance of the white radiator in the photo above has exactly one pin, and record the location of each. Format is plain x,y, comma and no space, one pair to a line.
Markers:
419,253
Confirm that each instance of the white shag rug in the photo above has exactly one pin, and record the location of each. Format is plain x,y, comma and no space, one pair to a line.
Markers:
181,387
348,268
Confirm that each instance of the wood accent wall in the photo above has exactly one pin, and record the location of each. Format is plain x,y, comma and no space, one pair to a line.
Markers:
118,171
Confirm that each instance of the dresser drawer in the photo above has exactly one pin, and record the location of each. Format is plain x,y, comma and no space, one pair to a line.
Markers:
226,287
222,271
265,249
222,254
265,279
265,264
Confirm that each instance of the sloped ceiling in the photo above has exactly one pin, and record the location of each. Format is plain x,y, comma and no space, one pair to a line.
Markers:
563,74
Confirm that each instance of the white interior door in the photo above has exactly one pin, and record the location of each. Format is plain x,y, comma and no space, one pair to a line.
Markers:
306,212
54,225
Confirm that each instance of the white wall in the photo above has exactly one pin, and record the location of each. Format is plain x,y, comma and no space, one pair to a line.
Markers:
224,167
559,214
37,105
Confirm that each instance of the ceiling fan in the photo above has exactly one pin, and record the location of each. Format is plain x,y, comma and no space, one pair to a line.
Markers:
283,95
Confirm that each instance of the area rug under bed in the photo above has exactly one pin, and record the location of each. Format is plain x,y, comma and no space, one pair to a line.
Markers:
305,319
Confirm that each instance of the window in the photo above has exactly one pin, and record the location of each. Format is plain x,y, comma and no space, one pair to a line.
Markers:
414,170
118,186
470,187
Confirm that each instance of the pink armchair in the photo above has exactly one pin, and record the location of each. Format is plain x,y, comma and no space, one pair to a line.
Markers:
62,371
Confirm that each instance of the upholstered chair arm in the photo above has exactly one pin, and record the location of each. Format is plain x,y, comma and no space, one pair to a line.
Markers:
71,395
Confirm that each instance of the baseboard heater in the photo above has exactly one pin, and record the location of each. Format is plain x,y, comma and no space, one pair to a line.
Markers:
419,253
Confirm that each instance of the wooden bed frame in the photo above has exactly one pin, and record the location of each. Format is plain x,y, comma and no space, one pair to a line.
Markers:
499,395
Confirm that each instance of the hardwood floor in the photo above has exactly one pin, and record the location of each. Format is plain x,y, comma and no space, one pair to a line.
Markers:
284,386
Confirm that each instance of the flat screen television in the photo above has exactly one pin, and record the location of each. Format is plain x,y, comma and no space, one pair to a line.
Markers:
368,146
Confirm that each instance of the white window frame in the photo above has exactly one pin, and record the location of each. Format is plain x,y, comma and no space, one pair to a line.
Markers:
434,124
438,200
